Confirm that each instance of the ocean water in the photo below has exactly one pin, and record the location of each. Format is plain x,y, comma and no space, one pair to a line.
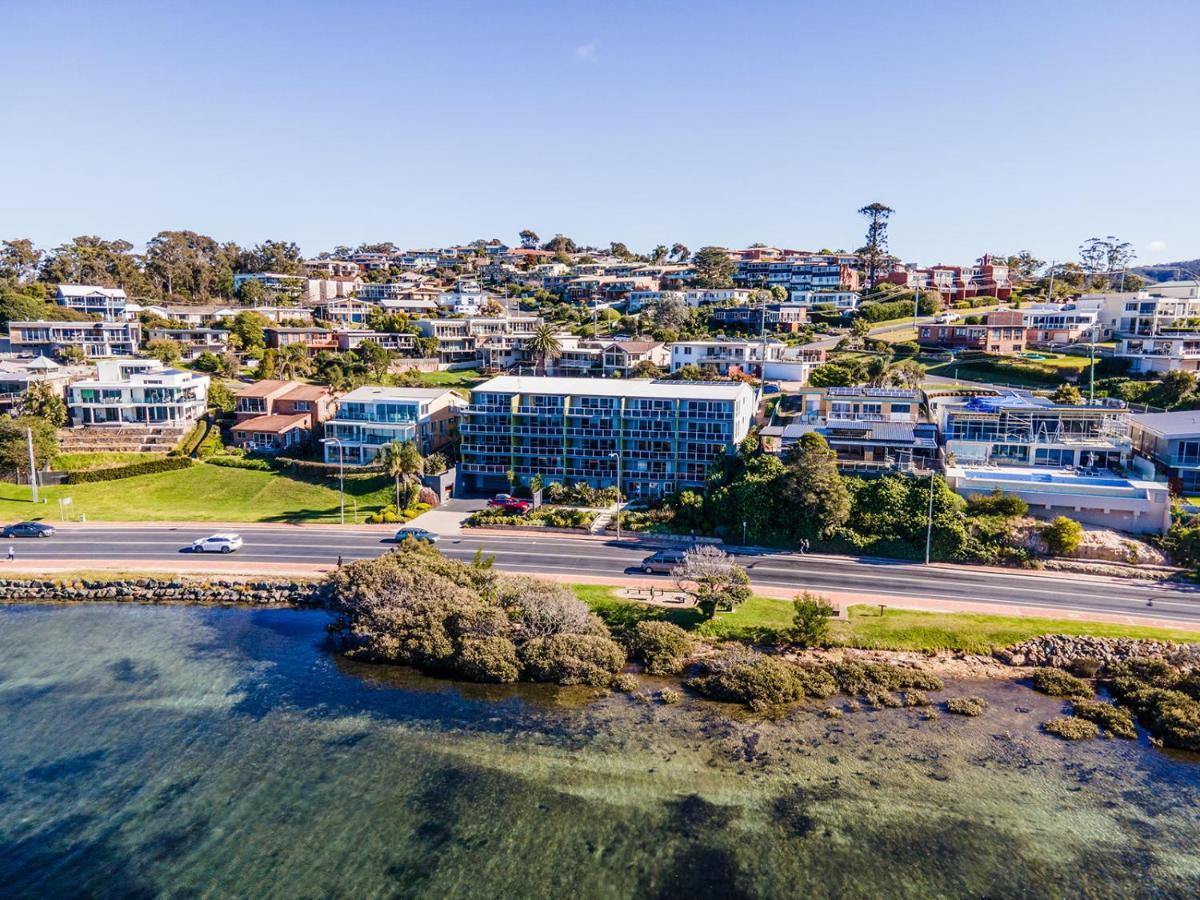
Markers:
201,752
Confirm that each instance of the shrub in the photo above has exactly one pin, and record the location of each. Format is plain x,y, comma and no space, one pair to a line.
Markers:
489,659
625,683
660,646
1086,667
669,695
810,620
854,678
752,679
915,698
573,659
115,473
241,462
1058,683
996,504
1071,729
966,706
1062,536
1113,719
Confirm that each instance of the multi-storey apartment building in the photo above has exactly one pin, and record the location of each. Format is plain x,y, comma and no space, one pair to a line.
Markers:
344,311
368,418
108,303
870,429
842,301
315,339
1171,443
987,278
330,268
98,339
1020,429
459,339
1001,332
138,392
761,358
789,317
193,341
662,435
275,284
1061,323
800,273
400,343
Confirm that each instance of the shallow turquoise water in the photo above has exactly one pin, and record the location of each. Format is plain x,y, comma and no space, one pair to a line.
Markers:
149,751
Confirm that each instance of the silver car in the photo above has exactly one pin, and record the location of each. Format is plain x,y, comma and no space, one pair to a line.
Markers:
416,534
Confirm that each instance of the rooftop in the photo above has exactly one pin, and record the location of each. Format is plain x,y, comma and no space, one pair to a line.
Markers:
372,394
604,387
272,424
1185,423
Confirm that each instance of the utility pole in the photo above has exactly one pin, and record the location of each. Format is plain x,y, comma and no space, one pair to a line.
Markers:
617,457
929,520
32,465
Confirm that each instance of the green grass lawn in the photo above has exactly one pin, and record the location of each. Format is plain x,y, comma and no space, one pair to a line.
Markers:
766,618
76,462
204,493
1042,373
461,378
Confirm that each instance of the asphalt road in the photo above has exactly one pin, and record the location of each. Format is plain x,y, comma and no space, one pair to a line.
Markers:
566,556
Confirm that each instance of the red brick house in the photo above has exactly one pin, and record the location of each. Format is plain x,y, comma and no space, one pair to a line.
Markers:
272,416
1002,332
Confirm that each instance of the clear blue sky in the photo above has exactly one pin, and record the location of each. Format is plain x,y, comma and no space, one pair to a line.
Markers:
997,126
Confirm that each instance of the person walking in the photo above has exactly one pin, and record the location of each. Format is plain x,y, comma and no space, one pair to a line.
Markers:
12,553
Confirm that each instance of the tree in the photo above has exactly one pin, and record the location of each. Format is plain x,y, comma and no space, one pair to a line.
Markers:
14,448
667,311
712,579
19,260
1067,395
679,252
375,356
166,350
831,374
645,369
617,248
908,373
544,343
72,354
529,238
401,462
44,402
1176,384
810,620
817,498
860,328
249,327
560,244
1062,536
251,291
266,365
1023,266
221,397
659,253
713,267
1106,256
874,252
292,361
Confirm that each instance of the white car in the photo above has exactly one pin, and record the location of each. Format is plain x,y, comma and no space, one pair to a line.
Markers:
218,543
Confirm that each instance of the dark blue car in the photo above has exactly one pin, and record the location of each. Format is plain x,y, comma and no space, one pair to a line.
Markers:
27,529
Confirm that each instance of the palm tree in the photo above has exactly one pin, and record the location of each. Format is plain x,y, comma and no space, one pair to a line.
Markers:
544,343
292,361
401,461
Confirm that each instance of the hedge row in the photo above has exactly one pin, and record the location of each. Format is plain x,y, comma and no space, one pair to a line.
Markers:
115,473
241,462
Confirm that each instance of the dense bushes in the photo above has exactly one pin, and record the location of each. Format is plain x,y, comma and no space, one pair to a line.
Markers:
810,620
415,607
660,646
1164,699
996,504
581,494
1113,719
1062,536
885,311
544,517
114,473
390,514
232,461
966,706
1058,683
1071,729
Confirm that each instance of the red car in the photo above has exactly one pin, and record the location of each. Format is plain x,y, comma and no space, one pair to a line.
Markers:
510,504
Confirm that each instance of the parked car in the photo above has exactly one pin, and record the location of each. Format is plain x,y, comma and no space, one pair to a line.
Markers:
510,504
416,534
218,543
662,562
28,529
770,388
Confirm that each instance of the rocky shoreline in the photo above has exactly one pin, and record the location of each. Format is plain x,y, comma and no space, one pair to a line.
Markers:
208,591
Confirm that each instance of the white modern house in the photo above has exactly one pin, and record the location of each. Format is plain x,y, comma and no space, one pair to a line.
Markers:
771,358
108,303
138,392
842,301
370,417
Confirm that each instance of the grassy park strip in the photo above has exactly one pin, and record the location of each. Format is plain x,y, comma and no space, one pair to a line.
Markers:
204,493
767,619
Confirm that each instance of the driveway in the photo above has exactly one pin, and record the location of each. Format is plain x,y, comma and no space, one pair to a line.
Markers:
447,519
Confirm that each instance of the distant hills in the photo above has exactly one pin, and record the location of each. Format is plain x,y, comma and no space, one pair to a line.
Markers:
1168,271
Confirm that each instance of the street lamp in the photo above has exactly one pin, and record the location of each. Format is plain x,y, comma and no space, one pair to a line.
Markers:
341,473
617,457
